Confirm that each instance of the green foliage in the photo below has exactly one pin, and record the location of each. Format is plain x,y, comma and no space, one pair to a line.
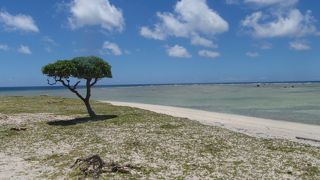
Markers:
88,67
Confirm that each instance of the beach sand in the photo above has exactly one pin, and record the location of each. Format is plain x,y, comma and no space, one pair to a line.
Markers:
257,127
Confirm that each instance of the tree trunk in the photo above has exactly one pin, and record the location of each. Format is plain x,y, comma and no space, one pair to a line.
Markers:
89,109
86,99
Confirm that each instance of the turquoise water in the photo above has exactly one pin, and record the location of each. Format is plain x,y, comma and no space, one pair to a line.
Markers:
274,101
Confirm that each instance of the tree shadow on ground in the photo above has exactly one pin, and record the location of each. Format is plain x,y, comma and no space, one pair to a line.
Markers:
80,120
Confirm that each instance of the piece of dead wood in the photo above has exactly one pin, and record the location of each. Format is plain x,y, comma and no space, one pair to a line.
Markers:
308,139
94,165
18,129
121,169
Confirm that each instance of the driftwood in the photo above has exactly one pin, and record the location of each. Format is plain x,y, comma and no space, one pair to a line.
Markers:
308,139
94,165
121,169
18,129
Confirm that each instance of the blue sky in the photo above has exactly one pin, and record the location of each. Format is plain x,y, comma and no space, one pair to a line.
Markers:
160,41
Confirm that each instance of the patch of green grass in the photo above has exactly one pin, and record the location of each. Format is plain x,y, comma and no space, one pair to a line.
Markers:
213,149
281,148
170,126
237,163
312,171
76,174
6,132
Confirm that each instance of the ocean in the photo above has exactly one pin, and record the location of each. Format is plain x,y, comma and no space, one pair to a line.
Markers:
295,102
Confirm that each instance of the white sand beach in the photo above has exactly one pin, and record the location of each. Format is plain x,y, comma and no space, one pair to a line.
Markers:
257,127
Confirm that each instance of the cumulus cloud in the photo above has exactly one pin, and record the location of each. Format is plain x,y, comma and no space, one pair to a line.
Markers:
291,23
197,40
18,22
111,48
208,54
299,46
4,47
24,49
252,54
178,51
95,12
157,33
191,19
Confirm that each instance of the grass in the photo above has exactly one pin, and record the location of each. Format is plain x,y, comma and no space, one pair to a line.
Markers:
160,146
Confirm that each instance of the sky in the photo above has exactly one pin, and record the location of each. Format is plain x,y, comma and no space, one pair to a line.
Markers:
163,41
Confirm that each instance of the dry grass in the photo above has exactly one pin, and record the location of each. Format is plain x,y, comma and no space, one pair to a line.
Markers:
159,146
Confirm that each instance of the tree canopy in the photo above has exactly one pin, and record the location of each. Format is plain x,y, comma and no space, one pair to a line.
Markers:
90,68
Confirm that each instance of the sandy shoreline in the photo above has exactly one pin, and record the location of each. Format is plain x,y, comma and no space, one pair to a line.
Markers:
257,127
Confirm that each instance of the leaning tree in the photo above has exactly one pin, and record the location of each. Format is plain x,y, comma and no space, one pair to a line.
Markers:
91,69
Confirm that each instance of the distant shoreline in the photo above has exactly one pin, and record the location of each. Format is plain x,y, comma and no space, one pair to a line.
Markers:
22,88
252,126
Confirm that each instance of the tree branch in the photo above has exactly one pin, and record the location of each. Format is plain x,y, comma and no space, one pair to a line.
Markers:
72,89
75,86
94,82
66,83
51,84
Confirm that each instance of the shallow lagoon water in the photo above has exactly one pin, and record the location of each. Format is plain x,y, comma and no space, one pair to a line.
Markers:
272,101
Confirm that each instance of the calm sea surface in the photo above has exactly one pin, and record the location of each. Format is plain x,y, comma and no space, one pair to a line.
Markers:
300,103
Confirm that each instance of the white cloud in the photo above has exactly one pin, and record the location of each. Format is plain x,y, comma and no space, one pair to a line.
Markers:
4,47
18,22
209,54
24,50
272,2
252,54
281,24
153,34
110,47
299,46
197,40
191,19
178,51
95,12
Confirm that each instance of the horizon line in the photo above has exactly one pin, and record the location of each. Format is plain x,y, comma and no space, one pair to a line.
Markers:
163,84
